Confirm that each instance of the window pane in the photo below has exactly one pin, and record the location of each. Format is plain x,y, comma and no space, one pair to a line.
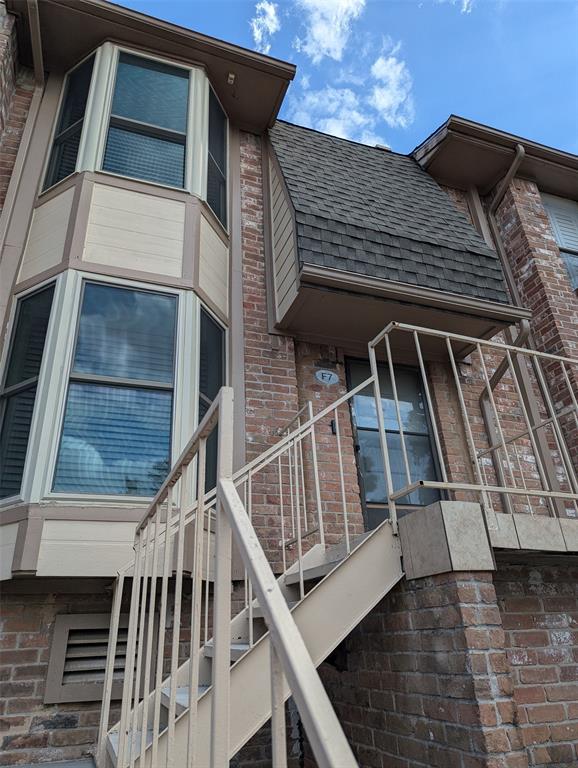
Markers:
571,261
410,396
16,422
144,157
217,191
63,158
217,132
151,92
65,149
211,374
212,453
74,102
115,440
420,461
29,336
126,334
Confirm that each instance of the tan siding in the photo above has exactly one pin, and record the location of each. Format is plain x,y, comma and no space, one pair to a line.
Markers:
135,231
84,548
214,267
8,535
283,237
45,245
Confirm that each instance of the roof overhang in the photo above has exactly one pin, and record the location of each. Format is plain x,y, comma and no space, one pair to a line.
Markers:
462,154
70,29
338,307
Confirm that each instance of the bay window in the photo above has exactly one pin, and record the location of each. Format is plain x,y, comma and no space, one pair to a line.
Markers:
116,434
19,386
128,114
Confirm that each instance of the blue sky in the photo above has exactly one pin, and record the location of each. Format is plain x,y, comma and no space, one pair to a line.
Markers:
391,71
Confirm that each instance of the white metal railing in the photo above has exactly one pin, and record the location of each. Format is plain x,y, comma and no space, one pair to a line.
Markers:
512,436
303,491
156,596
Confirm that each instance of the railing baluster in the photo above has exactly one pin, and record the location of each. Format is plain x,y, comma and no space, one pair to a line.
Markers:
571,392
566,460
180,539
342,481
150,634
299,541
250,586
392,506
207,573
316,476
162,628
465,418
397,409
130,654
543,477
433,419
306,522
283,553
140,643
291,490
196,598
110,664
220,714
278,727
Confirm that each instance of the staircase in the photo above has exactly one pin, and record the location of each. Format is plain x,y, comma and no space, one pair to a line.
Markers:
203,669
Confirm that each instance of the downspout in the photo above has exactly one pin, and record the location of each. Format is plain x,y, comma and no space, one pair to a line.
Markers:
524,337
23,149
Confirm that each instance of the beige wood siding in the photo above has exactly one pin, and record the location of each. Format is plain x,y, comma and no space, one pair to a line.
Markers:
213,267
8,534
84,548
47,235
283,237
135,231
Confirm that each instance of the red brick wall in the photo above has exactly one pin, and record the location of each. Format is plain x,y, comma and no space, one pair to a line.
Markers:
424,680
543,284
32,731
16,88
539,608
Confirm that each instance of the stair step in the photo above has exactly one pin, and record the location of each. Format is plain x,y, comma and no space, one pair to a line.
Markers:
258,611
113,739
182,696
313,573
237,650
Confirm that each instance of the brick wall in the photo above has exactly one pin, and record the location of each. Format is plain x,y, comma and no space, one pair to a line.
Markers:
539,608
544,285
32,731
16,88
424,680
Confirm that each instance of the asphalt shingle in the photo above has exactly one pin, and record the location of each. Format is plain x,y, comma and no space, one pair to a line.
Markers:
379,214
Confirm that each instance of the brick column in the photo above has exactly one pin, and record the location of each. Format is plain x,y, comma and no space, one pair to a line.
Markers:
425,680
543,284
16,88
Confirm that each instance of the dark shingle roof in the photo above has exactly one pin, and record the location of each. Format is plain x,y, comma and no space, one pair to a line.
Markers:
376,213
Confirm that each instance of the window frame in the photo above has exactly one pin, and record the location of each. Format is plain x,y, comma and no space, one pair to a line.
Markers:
97,117
224,224
41,379
355,429
139,384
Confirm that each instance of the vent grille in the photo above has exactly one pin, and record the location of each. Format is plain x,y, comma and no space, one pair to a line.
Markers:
85,660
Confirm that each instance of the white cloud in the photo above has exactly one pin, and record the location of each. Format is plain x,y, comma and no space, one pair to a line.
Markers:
328,25
391,96
338,111
264,24
465,5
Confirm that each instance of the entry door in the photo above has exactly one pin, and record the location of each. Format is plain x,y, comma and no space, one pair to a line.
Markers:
416,429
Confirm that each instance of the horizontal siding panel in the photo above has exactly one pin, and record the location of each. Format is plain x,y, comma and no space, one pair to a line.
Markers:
214,266
47,236
132,230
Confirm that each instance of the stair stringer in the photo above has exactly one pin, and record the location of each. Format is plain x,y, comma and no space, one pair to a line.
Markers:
326,615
